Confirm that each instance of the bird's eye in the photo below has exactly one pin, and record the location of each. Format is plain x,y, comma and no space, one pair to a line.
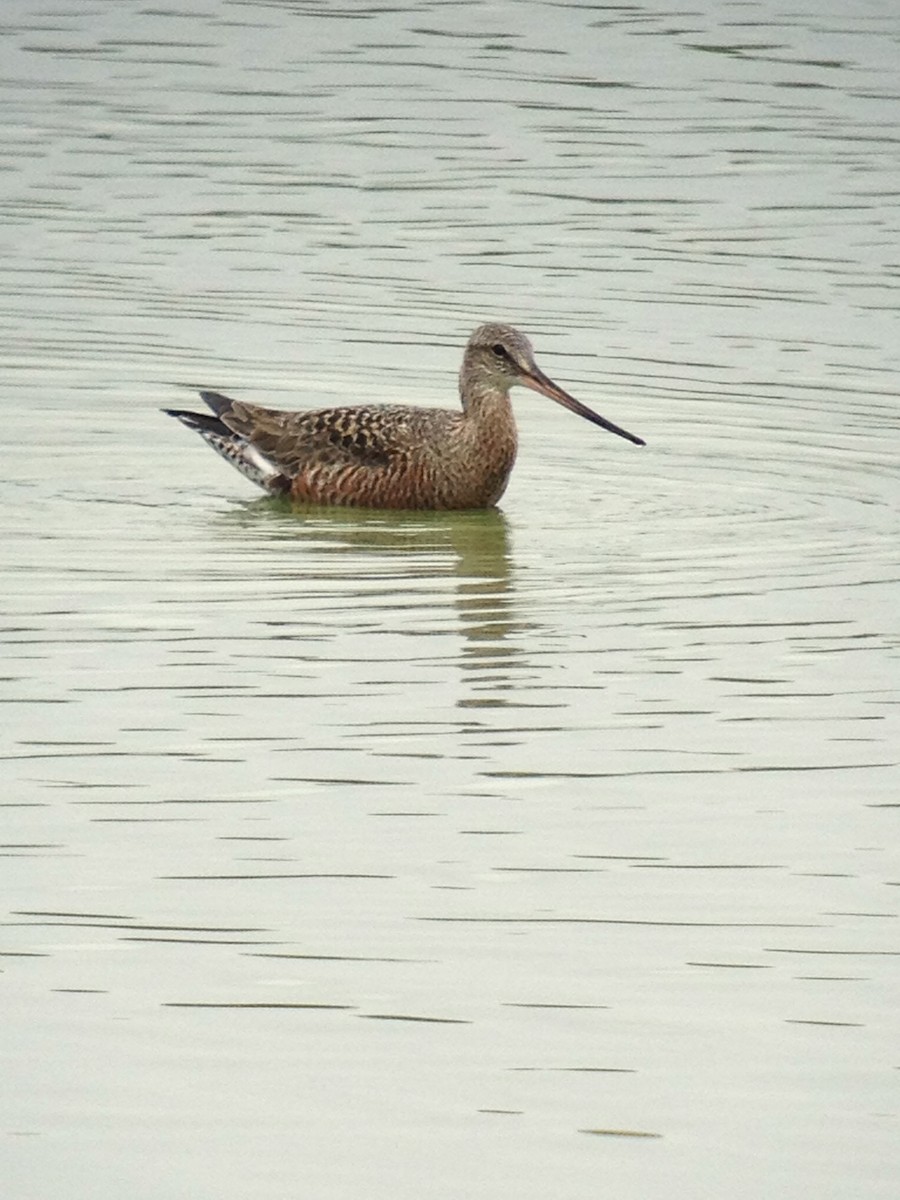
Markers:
500,350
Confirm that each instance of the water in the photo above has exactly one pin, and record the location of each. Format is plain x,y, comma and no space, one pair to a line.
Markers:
482,855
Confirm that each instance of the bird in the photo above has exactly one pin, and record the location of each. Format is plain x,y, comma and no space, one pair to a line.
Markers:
390,456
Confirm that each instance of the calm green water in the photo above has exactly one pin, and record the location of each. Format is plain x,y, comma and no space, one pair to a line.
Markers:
474,855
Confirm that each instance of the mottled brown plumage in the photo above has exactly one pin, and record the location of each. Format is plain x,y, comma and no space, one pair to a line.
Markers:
392,456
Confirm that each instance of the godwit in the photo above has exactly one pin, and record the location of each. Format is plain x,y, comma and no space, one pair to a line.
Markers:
392,456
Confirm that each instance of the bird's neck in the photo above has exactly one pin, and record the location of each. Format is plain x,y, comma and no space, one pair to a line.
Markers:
488,428
485,401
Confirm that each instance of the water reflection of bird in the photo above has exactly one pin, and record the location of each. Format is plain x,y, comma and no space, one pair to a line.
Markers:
392,456
405,572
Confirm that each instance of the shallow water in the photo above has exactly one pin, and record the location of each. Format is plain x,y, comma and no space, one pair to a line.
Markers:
489,855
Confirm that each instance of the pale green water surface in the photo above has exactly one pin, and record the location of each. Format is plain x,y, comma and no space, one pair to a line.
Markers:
541,853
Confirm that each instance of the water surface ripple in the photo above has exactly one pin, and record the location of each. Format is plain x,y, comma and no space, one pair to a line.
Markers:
397,853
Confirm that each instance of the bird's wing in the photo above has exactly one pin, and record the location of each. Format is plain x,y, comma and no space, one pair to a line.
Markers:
364,435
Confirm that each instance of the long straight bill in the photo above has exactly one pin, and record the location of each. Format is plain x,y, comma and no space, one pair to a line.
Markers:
538,382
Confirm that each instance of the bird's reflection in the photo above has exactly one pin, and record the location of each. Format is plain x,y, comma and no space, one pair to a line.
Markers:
410,549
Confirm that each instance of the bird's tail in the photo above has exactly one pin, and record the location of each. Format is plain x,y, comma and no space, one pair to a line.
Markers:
232,446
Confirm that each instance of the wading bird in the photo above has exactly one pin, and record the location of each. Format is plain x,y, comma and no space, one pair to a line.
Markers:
389,455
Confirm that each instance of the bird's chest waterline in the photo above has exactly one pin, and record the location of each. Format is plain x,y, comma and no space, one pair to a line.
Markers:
482,464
